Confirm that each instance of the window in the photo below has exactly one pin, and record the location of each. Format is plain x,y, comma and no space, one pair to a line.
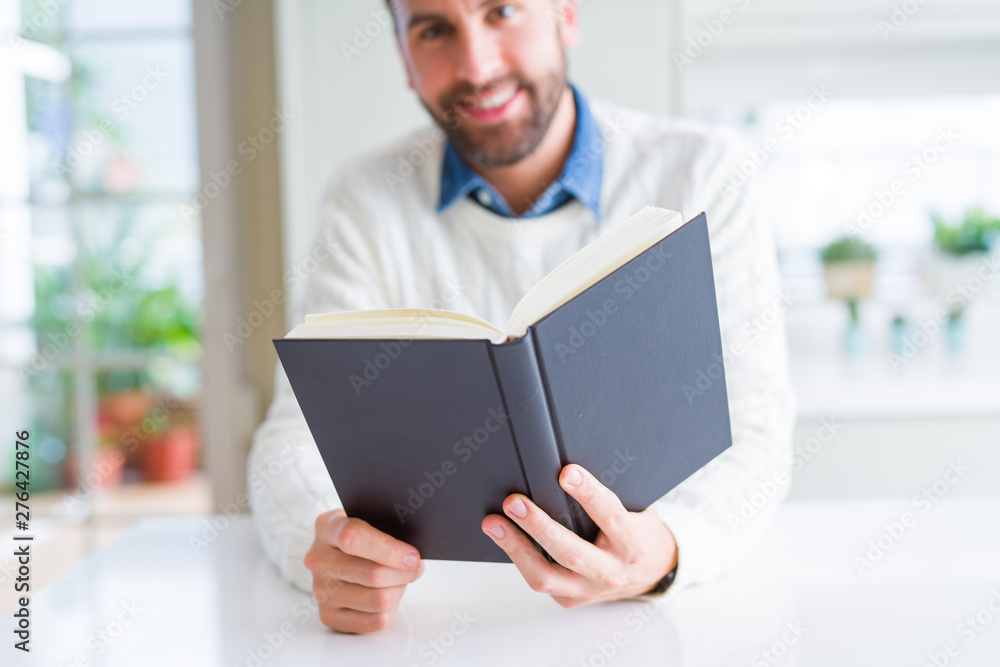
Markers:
100,268
864,118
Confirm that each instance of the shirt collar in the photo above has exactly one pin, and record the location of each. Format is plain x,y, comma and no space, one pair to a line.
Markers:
581,177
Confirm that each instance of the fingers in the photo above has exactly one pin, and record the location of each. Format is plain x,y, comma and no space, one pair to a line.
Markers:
539,573
354,622
358,593
362,598
323,560
566,547
355,608
358,538
597,500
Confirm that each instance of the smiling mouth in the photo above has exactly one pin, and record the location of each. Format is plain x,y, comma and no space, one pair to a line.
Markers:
490,101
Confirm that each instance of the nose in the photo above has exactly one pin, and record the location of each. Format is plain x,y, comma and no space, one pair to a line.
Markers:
480,58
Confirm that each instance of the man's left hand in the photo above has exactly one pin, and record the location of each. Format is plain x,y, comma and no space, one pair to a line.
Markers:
633,551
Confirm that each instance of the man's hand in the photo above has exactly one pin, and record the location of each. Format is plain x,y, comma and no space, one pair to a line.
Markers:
633,551
359,573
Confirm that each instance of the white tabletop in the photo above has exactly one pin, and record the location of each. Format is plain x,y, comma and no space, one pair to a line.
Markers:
148,599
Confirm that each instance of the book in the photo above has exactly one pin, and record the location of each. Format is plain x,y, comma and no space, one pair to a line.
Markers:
427,419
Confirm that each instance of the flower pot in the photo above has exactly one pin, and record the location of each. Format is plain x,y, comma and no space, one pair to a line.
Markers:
105,470
850,280
170,456
947,274
126,408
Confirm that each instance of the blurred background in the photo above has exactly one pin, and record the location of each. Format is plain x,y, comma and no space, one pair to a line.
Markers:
161,165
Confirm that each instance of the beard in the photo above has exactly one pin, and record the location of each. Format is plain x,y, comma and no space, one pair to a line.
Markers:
506,143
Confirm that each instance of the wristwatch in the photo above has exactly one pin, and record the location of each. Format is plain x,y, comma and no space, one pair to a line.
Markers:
664,583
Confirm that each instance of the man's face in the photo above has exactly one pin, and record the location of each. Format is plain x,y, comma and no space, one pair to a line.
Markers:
490,73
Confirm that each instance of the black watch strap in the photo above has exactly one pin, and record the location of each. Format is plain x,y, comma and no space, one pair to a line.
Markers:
664,583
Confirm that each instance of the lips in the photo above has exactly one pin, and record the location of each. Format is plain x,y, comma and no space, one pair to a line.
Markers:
491,105
492,100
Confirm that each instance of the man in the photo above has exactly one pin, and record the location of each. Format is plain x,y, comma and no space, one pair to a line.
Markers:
530,172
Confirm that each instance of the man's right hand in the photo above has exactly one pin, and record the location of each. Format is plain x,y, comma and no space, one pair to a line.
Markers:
359,573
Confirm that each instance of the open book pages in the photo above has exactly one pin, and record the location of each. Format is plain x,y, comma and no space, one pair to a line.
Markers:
572,277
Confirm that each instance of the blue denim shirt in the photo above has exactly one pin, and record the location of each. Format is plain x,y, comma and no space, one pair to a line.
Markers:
581,176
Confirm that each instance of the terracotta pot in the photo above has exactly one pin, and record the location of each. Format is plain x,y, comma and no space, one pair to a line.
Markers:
170,456
105,470
126,408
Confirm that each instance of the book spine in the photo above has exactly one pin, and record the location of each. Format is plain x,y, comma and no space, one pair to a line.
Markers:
584,526
520,382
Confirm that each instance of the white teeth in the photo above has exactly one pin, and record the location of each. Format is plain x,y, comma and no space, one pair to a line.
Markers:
495,100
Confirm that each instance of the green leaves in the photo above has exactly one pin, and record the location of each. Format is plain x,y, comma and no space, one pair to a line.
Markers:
975,233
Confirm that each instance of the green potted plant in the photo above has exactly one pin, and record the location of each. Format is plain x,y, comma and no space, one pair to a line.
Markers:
119,310
961,247
849,271
164,321
170,453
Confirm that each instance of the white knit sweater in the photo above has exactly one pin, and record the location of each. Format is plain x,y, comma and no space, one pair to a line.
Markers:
381,245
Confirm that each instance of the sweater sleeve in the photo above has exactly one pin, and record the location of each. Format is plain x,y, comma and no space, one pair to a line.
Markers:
287,481
718,513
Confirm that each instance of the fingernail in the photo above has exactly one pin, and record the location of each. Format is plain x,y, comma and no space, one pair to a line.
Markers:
574,477
518,509
497,531
410,560
340,526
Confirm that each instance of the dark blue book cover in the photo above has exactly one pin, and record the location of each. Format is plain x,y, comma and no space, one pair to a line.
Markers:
424,438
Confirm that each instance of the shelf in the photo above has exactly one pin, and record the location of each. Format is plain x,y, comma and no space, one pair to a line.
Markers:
933,382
